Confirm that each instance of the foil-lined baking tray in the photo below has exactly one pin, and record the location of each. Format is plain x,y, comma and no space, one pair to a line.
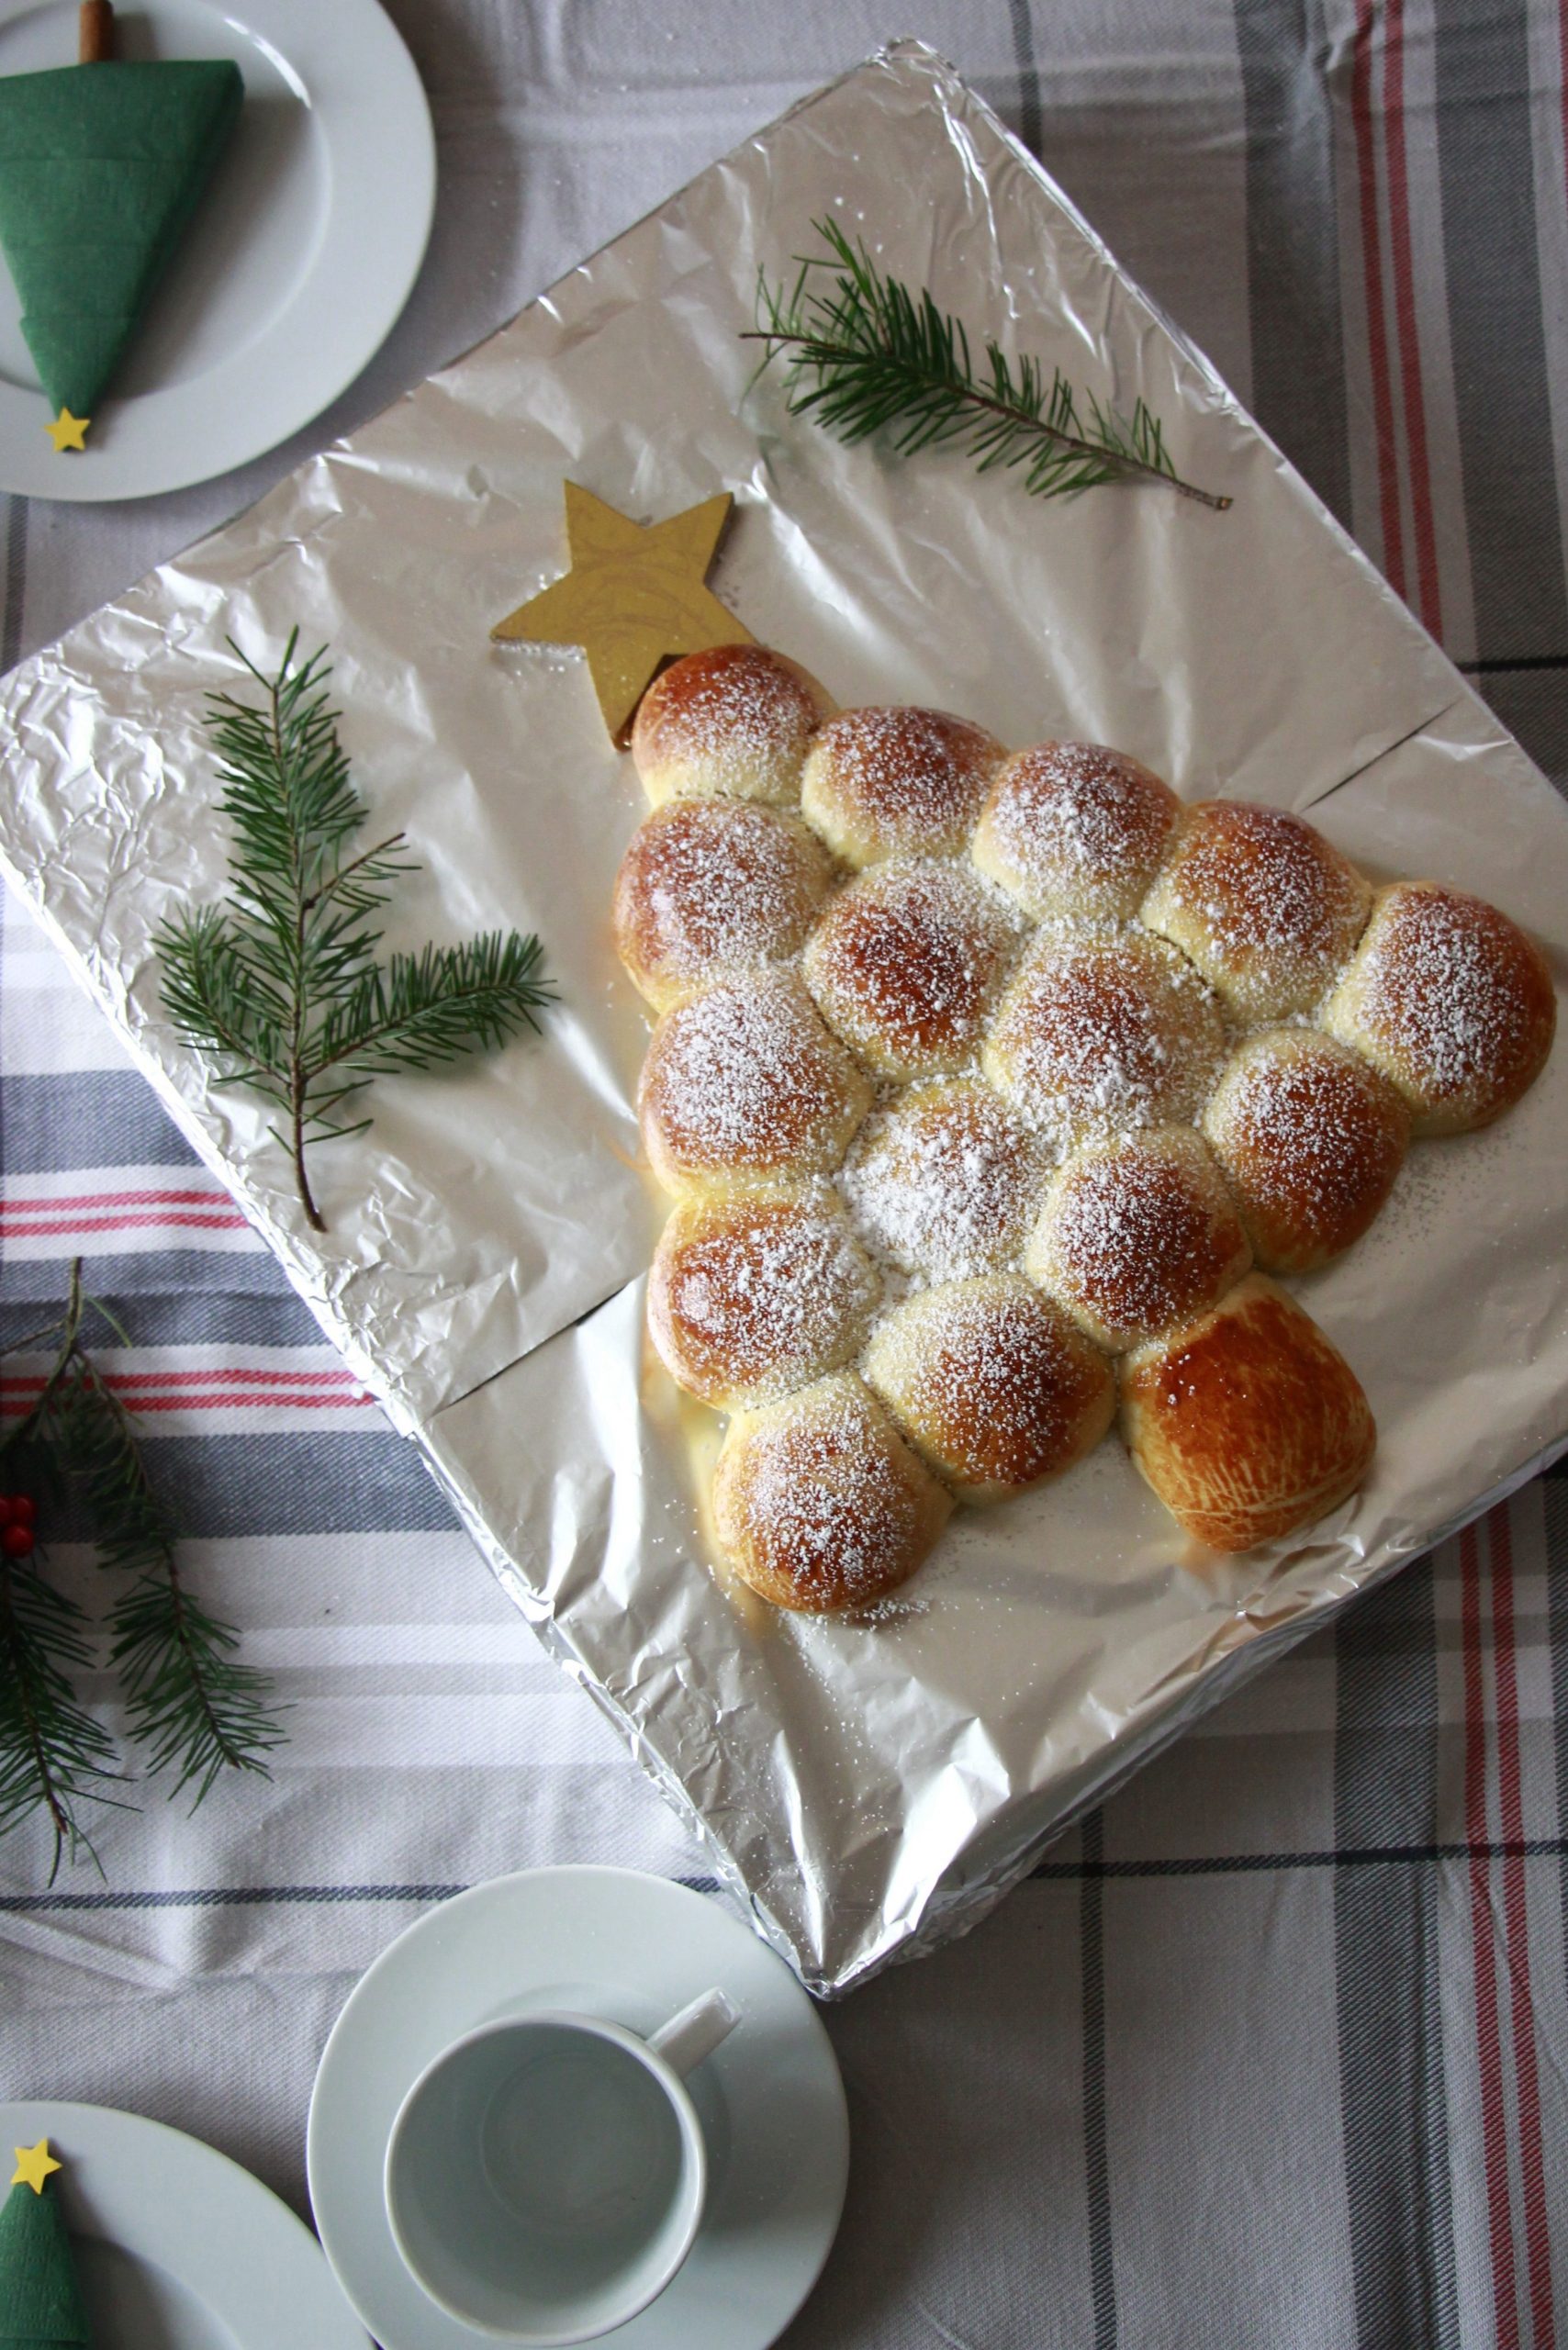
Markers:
866,1787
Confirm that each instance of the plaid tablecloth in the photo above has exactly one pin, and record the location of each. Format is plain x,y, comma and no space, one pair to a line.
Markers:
1276,2052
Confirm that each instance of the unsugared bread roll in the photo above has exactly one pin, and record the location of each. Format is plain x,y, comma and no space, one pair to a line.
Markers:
736,720
992,1385
711,888
1311,1137
1452,1000
1265,907
819,1503
1075,832
897,783
745,1080
758,1292
946,1182
1139,1235
906,963
1094,1036
1247,1423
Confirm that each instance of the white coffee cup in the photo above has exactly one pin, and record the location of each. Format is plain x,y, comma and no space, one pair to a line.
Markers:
545,2176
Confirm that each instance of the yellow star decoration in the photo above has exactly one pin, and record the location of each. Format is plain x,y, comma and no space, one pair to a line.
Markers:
633,598
69,432
33,2166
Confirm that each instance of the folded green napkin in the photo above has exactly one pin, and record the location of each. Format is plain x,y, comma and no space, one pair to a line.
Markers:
101,167
40,2304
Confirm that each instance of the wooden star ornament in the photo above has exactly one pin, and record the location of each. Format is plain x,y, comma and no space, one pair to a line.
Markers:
34,2165
634,597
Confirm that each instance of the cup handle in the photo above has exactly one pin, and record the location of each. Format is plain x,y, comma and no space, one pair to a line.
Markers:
696,2031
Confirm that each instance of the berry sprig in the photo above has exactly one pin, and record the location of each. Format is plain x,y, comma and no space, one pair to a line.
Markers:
19,1522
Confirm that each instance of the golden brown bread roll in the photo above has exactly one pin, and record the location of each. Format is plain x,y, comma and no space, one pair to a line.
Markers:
745,1080
1139,1235
1097,1036
992,1385
738,721
1265,907
819,1503
1075,832
1452,1000
946,1182
897,783
1311,1137
905,963
1247,1423
711,888
758,1292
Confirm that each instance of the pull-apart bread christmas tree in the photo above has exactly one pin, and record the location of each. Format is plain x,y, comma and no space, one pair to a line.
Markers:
993,1089
102,165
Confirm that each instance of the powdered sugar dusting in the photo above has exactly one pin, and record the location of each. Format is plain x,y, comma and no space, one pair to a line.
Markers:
1312,1138
1077,829
907,961
750,1298
945,1182
736,718
747,1076
1455,995
1265,906
895,781
1140,1235
708,887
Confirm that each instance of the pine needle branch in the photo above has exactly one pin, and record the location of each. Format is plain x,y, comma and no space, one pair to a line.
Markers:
53,1755
864,354
283,989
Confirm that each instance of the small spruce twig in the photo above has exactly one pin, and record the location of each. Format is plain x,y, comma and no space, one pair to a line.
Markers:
283,989
192,1706
863,354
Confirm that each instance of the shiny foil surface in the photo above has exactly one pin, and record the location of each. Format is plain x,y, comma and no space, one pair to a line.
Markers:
867,1788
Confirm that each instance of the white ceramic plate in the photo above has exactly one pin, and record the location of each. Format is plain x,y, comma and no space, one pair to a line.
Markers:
177,2248
295,267
610,1943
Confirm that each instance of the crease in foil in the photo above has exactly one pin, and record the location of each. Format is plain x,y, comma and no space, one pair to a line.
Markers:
865,1790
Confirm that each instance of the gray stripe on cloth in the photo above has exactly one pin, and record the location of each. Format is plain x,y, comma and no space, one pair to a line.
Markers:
177,1318
1393,2091
1293,258
88,1118
1029,74
1496,331
342,1483
14,592
216,1897
1096,2151
148,1273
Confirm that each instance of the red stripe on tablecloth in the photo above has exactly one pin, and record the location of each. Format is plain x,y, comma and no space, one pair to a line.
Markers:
225,1399
1403,261
46,1228
1493,2125
54,1202
1371,264
1516,1918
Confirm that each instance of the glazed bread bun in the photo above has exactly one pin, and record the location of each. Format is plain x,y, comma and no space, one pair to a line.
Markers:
906,963
1452,1000
992,1384
755,1293
946,1182
1138,1235
1247,1423
1265,907
819,1503
897,783
1311,1137
745,1080
711,888
736,720
1095,1036
1075,832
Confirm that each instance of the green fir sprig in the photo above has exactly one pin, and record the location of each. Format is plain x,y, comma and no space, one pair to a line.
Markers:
864,354
192,1709
283,987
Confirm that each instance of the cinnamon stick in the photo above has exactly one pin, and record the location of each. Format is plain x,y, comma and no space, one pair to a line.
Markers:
94,32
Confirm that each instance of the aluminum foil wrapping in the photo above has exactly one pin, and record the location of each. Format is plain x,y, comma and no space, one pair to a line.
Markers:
868,1789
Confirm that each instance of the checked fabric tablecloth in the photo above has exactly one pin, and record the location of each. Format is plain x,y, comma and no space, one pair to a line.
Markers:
1276,2051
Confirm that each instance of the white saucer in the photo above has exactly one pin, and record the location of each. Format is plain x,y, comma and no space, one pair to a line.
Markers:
302,255
176,2248
610,1942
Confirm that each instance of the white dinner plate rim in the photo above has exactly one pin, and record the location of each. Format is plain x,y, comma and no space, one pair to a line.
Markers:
181,2204
336,318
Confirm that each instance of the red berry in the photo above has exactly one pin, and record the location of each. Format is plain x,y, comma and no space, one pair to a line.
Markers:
23,1510
17,1542
7,1510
